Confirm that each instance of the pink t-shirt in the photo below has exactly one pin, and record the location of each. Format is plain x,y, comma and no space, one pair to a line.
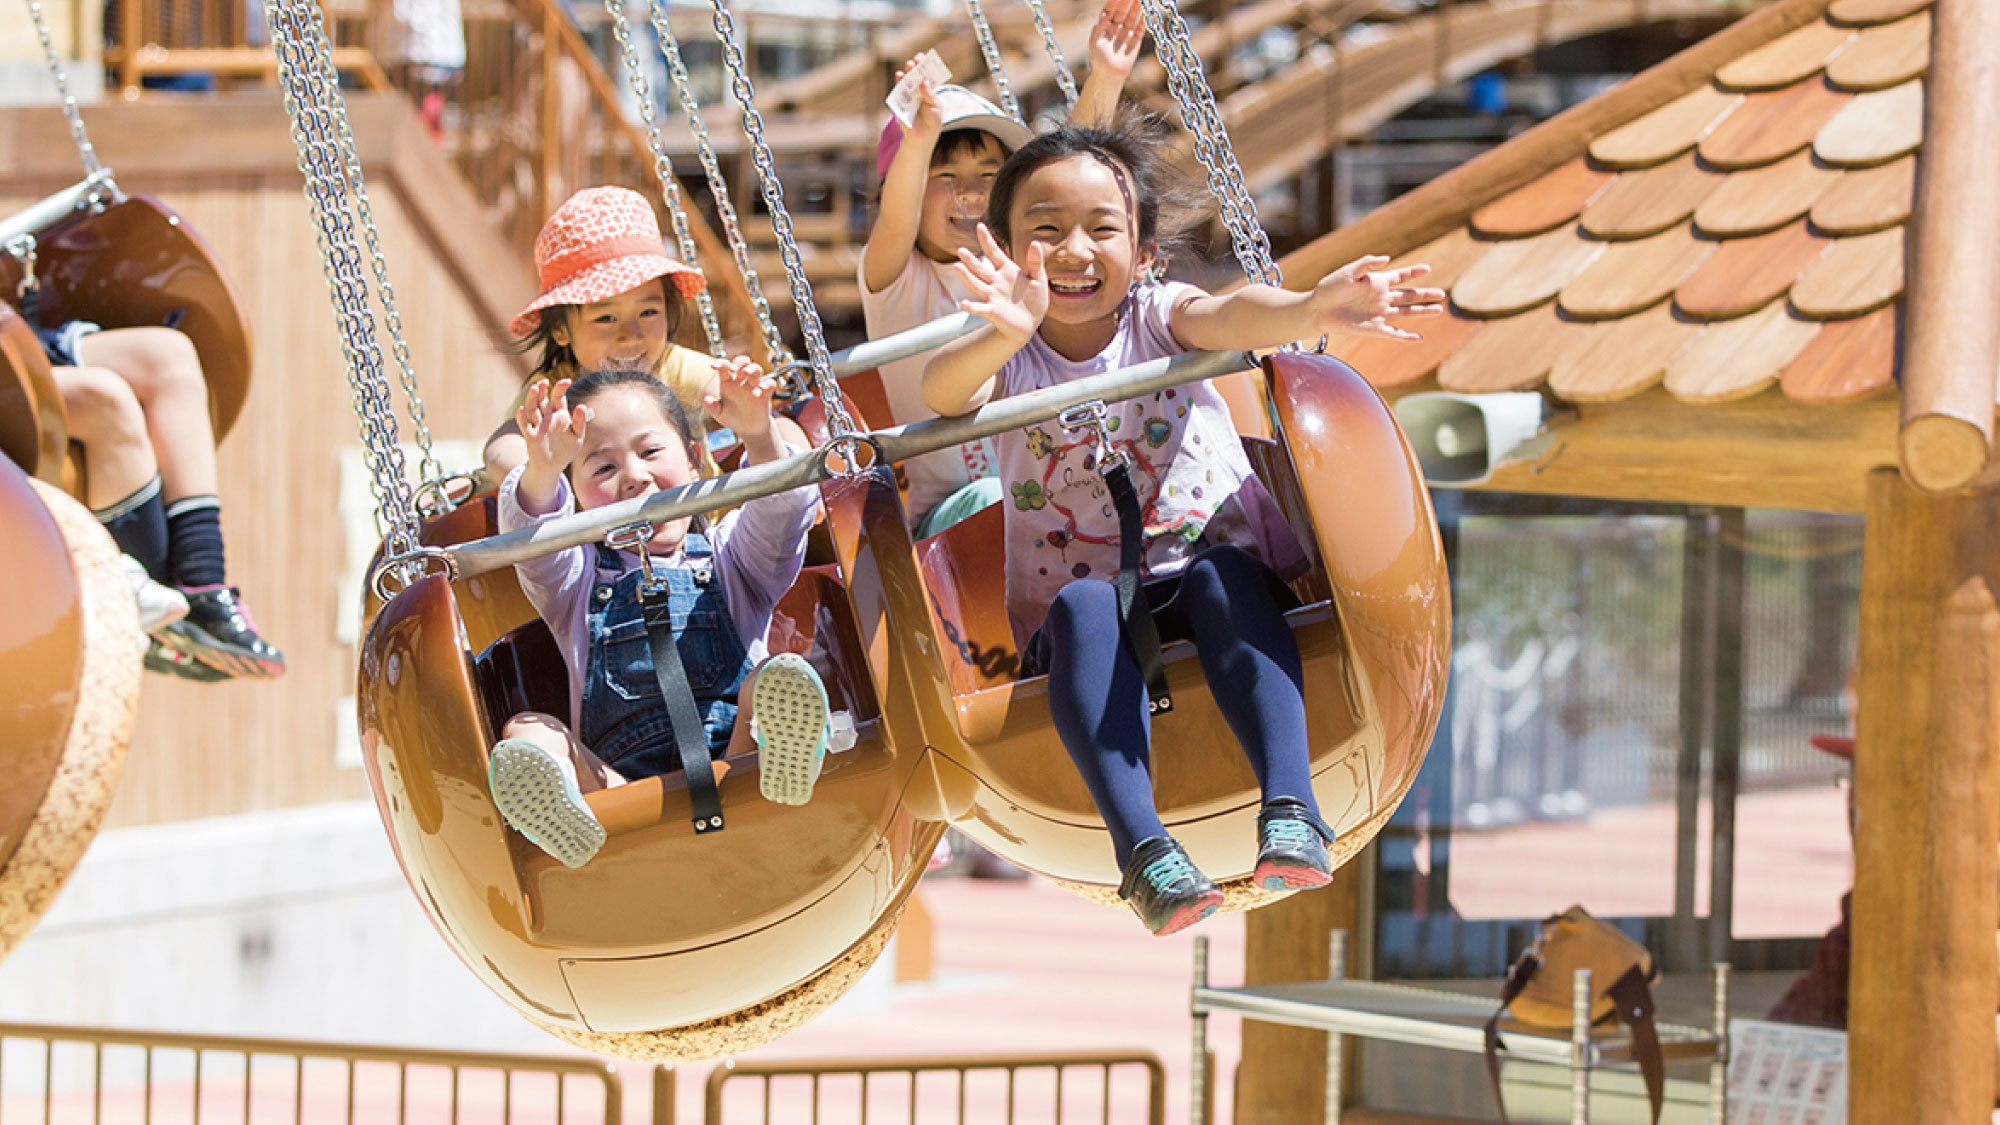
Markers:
923,292
1187,463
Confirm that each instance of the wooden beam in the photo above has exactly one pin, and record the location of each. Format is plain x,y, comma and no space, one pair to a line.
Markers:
1281,1079
1953,349
1927,780
1763,452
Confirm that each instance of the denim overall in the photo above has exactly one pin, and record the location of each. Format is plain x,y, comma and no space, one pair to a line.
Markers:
624,720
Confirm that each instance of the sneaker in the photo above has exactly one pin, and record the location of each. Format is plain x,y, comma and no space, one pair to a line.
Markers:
537,794
1165,889
159,605
1291,847
790,722
171,662
218,632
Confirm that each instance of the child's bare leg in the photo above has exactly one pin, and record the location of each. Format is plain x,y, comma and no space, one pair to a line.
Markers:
164,372
554,735
742,743
105,416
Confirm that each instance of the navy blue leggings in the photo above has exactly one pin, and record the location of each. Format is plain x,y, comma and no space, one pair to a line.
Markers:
1227,606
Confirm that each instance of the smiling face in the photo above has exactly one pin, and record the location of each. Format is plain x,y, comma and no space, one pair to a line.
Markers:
955,196
1082,210
630,448
628,331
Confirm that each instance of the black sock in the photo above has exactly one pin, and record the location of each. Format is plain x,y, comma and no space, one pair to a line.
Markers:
194,541
138,524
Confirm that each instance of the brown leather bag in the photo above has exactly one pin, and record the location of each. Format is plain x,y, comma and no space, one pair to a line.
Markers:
1539,989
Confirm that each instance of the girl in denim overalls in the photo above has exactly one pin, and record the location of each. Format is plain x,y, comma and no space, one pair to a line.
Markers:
611,436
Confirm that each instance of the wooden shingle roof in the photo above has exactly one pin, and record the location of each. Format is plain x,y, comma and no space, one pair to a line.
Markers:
1745,236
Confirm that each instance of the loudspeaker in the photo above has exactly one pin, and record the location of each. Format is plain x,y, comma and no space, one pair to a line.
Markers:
1460,439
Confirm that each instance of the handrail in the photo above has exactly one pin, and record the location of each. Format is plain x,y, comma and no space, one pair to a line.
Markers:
898,443
39,215
870,354
962,1065
560,1067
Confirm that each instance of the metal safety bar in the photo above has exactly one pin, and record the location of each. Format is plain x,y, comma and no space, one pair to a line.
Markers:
897,444
952,1088
256,1079
902,345
39,215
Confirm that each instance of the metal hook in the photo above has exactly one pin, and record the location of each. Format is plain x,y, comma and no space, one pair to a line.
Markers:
22,249
404,570
847,448
1093,416
633,537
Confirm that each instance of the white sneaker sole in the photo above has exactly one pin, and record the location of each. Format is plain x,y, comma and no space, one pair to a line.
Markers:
789,709
542,803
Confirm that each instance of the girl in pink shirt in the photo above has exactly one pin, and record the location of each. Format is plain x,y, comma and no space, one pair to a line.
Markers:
1073,217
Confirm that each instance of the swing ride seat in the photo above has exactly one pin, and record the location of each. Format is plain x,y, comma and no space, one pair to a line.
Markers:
137,263
662,929
1374,651
34,428
70,649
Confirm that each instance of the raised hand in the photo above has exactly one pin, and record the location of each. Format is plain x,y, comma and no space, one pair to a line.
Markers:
742,398
1012,297
1359,298
553,429
929,121
1115,40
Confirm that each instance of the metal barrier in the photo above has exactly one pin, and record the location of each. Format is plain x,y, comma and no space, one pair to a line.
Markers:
1043,1094
87,1074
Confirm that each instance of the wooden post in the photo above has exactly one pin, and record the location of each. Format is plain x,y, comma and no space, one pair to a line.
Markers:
1922,988
1281,1079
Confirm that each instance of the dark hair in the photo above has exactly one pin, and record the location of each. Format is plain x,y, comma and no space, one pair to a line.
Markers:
552,356
1132,148
592,384
952,142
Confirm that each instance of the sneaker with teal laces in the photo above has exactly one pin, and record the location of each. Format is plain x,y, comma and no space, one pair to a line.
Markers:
1291,847
1164,887
791,721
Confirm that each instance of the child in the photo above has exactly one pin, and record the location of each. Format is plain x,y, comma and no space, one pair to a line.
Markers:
1077,212
611,298
934,182
138,403
610,436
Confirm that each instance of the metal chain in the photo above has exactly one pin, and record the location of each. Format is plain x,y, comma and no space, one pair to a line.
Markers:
429,469
312,100
990,47
1064,78
1172,43
839,423
718,186
663,167
84,148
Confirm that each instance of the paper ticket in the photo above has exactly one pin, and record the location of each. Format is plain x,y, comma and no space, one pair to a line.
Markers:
903,100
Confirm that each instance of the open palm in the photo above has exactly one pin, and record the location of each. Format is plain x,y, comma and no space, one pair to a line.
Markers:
1115,40
553,429
1011,296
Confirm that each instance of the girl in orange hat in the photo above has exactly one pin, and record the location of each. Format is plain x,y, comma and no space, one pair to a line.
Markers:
611,299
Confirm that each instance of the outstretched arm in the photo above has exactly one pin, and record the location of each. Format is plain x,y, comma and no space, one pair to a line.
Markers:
1358,299
1011,298
895,233
1114,49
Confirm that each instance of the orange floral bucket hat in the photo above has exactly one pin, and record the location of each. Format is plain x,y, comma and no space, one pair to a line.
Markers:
599,243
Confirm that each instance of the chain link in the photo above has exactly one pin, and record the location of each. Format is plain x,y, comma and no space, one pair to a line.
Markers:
663,167
1064,78
839,423
990,48
1175,48
718,185
84,148
312,102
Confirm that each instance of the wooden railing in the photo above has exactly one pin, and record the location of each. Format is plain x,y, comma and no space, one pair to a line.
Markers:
532,117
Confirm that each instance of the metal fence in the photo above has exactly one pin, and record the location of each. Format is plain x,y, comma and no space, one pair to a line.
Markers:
52,1075
1043,1089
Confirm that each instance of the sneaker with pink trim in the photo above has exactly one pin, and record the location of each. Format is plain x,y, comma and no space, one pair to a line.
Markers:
219,632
